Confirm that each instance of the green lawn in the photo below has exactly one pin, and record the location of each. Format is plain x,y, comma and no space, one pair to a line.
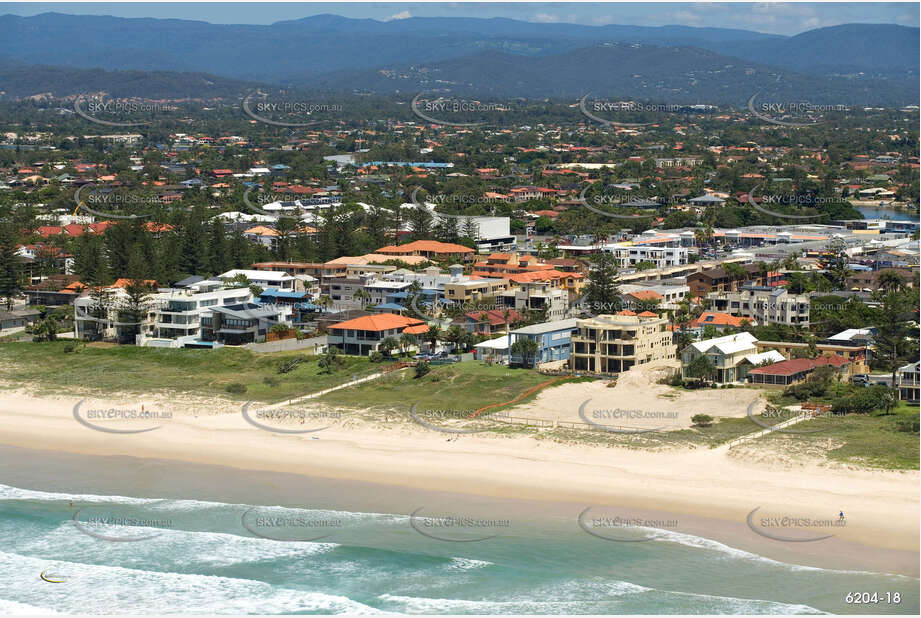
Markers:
103,369
459,386
867,440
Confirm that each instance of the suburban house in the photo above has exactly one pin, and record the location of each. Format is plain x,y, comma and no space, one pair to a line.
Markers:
18,318
553,339
725,353
796,370
720,321
431,249
909,382
362,336
765,305
243,323
858,356
614,343
489,322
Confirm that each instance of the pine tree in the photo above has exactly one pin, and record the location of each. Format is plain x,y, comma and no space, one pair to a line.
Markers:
11,271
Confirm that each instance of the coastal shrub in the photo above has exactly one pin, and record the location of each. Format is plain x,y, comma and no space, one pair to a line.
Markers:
236,388
422,369
270,381
702,420
863,401
376,357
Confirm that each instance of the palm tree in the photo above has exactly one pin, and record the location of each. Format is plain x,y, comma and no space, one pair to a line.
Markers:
432,336
735,272
406,341
526,349
890,281
388,344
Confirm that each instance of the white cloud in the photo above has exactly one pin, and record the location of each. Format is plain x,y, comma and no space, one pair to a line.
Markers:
546,18
401,15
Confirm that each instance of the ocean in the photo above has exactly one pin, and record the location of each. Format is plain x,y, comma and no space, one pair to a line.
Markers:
120,554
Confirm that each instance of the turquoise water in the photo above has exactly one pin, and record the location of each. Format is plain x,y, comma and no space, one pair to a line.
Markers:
203,558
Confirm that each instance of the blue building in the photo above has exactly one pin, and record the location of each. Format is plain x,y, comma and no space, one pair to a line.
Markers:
553,340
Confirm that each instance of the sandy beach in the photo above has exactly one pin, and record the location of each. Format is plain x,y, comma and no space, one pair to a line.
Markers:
709,491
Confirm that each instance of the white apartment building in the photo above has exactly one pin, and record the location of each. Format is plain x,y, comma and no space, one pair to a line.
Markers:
765,305
537,296
170,313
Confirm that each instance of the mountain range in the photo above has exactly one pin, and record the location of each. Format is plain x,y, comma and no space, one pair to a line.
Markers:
870,64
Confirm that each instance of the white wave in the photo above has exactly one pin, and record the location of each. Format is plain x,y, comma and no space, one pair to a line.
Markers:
465,564
8,492
176,548
699,542
590,596
12,608
94,589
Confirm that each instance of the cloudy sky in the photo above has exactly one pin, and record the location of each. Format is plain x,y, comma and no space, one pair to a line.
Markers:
779,18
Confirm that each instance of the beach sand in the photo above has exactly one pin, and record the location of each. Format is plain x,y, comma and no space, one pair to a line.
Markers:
708,491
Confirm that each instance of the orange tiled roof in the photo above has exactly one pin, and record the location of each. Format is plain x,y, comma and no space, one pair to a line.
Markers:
432,246
124,282
718,319
379,322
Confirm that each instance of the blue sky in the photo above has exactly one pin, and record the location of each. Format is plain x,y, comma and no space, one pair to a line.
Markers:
780,18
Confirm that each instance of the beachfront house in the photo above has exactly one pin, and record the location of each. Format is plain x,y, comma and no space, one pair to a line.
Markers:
909,382
553,340
363,335
725,353
796,370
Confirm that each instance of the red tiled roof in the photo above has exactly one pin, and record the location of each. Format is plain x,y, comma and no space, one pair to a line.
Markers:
799,365
495,317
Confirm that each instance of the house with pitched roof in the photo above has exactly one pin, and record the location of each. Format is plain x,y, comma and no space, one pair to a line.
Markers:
363,335
725,353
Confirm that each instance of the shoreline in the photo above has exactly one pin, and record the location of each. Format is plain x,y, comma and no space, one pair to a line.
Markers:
384,468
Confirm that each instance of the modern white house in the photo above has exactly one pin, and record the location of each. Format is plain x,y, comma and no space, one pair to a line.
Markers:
265,278
172,316
178,311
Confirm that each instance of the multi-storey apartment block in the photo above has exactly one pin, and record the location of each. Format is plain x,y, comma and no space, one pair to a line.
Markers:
615,343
